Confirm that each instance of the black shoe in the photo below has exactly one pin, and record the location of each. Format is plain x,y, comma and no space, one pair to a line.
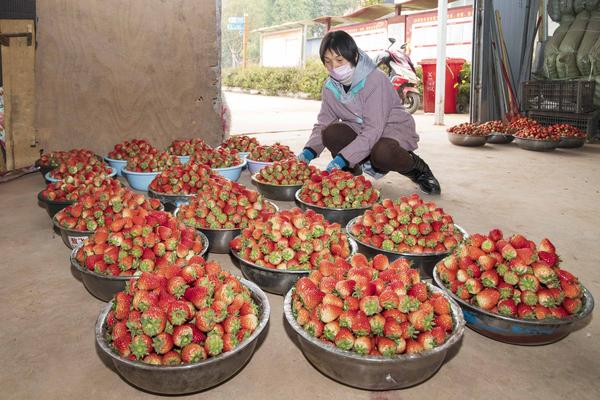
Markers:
357,170
422,176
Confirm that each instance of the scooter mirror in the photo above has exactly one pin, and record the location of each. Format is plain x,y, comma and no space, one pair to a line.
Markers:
403,46
392,40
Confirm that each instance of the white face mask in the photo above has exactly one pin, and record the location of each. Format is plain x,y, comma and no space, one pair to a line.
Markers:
343,73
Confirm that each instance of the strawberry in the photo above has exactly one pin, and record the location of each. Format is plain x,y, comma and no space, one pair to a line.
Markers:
572,305
487,298
344,339
153,321
363,345
179,312
441,305
171,358
547,246
249,322
490,278
507,307
314,327
162,343
122,305
386,347
392,329
205,319
214,345
329,313
421,320
186,334
419,291
193,353
370,305
199,296
141,345
444,321
177,286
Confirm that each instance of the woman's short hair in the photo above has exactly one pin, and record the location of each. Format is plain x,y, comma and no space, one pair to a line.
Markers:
341,43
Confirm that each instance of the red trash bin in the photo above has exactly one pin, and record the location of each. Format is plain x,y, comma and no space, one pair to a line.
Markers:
453,67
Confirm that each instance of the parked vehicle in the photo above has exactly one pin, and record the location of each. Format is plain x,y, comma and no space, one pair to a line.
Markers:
402,73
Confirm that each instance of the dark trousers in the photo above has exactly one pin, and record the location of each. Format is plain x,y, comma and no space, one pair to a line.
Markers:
386,155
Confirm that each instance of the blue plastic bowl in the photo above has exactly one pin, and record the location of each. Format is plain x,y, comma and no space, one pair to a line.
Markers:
51,179
184,159
118,165
139,180
255,166
231,173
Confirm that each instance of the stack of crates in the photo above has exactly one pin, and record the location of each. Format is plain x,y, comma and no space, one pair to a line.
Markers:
563,102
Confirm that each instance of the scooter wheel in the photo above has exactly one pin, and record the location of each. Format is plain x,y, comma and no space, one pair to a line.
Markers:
411,102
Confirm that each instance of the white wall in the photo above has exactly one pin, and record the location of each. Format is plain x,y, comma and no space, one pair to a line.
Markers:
281,49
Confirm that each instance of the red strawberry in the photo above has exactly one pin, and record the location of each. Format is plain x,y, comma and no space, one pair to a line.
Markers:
186,334
205,319
178,312
363,345
386,347
444,321
141,346
177,286
193,353
421,320
122,305
214,345
507,307
525,311
121,344
392,329
249,322
549,258
487,298
153,321
314,327
162,343
344,339
329,313
546,245
199,296
148,281
419,291
413,347
171,358
370,305
490,278
441,305
572,305
360,324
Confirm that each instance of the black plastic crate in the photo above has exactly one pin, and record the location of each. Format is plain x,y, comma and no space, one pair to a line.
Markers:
572,96
586,122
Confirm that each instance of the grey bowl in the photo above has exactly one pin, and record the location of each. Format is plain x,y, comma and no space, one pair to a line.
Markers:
520,331
52,207
536,145
171,201
424,262
466,140
276,192
500,138
71,238
189,378
375,372
340,215
219,239
274,280
104,287
570,142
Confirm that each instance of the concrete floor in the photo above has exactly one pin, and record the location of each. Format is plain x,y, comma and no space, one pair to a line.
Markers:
48,317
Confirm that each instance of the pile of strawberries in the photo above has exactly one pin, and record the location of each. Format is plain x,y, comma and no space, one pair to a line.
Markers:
181,315
241,143
512,277
151,162
55,158
286,172
73,189
224,205
101,208
189,178
275,152
138,240
217,158
128,149
467,129
407,225
492,127
566,130
188,147
372,308
519,123
82,168
338,189
538,132
292,240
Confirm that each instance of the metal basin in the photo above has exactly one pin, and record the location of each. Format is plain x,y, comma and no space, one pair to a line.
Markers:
219,239
276,192
71,238
255,166
104,287
274,281
375,372
171,201
52,207
466,140
536,145
424,262
189,378
570,142
499,138
340,215
520,331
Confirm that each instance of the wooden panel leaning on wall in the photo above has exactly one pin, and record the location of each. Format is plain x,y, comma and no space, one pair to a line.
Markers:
18,62
111,70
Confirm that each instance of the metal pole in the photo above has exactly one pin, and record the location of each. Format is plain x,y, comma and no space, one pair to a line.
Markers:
245,42
440,70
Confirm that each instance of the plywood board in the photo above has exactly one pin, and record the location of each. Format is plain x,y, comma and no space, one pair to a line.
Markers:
108,70
18,62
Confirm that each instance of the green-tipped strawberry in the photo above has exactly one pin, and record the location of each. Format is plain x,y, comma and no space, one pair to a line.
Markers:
386,347
193,353
153,321
525,311
572,305
344,339
421,320
141,346
162,343
488,298
363,345
178,312
171,358
214,345
508,252
507,307
370,305
330,330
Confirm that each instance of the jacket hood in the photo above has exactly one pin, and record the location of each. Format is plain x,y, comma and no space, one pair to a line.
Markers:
362,70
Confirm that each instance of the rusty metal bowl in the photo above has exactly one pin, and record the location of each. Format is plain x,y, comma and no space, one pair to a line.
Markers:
500,138
71,237
187,378
375,372
536,145
519,331
171,201
467,140
276,192
571,142
53,207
